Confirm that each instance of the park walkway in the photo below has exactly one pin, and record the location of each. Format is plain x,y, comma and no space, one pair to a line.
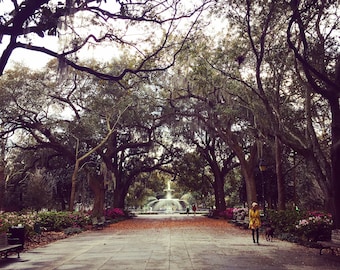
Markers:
170,242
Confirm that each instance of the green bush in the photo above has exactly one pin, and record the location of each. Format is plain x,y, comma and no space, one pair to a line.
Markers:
58,221
9,219
305,226
45,221
284,221
51,221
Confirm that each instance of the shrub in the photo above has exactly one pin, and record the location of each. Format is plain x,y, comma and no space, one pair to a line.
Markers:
216,213
284,221
47,221
113,213
50,221
315,226
306,226
9,219
58,221
227,214
78,219
240,213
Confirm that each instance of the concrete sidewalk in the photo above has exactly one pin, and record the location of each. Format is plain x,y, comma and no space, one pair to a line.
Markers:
172,247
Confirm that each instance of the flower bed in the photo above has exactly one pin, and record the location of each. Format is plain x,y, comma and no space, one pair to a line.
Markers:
57,221
115,213
9,219
304,227
44,227
315,226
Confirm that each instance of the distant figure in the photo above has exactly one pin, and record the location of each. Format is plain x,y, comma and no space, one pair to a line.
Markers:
194,209
254,221
188,210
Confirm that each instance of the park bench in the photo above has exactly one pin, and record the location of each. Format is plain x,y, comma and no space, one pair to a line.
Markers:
9,245
332,245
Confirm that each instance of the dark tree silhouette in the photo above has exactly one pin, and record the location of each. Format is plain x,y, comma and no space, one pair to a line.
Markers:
85,23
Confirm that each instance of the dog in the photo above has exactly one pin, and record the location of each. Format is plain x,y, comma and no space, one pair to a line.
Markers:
269,232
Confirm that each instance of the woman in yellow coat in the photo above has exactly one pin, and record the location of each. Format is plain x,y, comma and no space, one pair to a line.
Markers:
254,221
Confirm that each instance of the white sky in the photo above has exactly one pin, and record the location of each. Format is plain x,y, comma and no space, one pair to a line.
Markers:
37,60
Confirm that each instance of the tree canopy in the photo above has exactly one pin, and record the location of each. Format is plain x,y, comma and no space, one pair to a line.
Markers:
203,107
149,29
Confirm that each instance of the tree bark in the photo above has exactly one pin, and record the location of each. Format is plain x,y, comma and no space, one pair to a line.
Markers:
279,177
325,84
96,184
119,195
73,185
219,192
247,168
2,185
335,157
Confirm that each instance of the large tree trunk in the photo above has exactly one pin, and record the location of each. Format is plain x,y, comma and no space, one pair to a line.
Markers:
250,184
335,158
96,184
315,155
279,178
119,195
247,168
219,193
325,83
73,185
2,176
2,185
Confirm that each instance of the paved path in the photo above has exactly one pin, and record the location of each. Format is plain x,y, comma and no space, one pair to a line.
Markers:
170,242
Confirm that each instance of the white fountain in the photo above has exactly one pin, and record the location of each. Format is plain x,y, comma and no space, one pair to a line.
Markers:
168,204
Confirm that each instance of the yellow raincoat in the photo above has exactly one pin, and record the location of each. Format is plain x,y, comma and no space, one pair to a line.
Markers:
254,219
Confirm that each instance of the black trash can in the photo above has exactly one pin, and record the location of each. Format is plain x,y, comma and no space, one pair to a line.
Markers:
16,235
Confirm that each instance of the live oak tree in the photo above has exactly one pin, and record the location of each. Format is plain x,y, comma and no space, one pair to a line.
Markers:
208,100
193,176
80,25
250,81
136,146
305,29
148,29
33,110
221,161
27,121
261,78
278,86
88,121
209,164
267,90
312,34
